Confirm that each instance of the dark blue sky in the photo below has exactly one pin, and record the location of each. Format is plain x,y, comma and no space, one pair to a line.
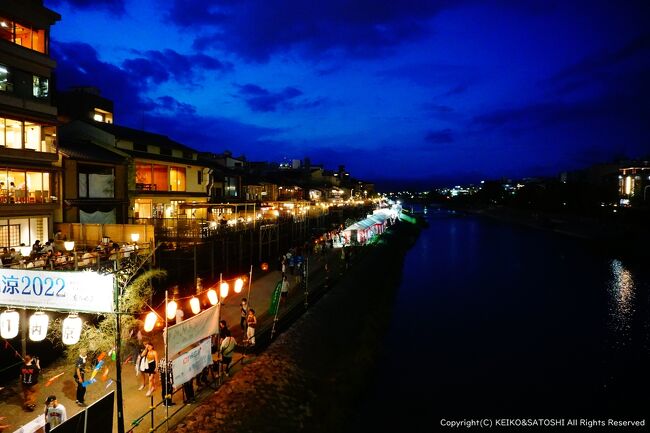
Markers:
409,89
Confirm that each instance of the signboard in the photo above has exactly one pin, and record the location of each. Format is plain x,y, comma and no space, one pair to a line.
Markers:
67,291
192,330
190,364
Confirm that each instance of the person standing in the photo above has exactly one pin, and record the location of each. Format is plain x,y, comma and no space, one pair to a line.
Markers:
79,376
166,381
151,356
55,413
29,380
251,322
243,308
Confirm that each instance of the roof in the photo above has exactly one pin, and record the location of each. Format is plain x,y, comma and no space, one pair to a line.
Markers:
86,150
139,136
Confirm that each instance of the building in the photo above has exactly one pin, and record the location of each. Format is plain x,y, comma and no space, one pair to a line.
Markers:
634,184
29,191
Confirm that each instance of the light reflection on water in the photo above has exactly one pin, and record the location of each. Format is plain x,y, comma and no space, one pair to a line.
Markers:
622,292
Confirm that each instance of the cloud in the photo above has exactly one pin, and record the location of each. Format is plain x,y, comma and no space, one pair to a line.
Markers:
160,66
113,6
441,136
263,100
257,29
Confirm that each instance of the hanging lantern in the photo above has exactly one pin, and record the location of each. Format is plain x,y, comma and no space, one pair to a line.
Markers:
38,326
212,297
239,284
171,309
223,289
195,305
265,266
71,330
9,324
150,321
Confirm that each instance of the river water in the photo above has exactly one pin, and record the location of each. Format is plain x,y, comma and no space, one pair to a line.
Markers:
497,320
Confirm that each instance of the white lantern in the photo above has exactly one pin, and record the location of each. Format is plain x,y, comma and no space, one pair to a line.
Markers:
150,321
71,330
212,297
69,245
9,324
171,309
239,284
223,289
195,305
38,326
135,237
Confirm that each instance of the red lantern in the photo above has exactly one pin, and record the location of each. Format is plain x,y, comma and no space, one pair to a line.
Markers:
265,266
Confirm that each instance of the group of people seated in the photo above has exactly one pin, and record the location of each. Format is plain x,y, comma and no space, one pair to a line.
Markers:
53,255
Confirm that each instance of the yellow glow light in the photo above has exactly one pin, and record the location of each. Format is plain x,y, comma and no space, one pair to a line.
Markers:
195,305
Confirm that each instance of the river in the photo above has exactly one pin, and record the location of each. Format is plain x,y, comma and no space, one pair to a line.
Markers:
497,320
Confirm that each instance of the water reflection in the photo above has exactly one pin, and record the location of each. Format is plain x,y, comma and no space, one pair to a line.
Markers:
622,291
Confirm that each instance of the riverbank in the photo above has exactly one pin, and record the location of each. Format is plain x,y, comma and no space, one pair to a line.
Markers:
310,379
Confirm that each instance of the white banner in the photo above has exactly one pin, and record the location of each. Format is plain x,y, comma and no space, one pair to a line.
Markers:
71,291
192,330
188,365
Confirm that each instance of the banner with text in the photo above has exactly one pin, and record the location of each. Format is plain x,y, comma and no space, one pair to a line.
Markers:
190,364
192,330
71,291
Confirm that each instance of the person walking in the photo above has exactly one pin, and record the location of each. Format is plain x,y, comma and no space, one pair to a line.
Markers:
227,350
284,290
29,380
151,356
79,375
55,413
251,322
243,307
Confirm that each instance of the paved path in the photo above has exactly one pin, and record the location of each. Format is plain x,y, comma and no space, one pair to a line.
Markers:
135,401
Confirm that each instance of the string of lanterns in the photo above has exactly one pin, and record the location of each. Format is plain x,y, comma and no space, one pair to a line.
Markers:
195,305
38,325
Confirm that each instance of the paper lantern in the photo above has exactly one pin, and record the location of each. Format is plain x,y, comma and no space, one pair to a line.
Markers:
223,289
71,330
212,297
9,324
265,266
135,237
171,309
195,305
38,326
69,245
239,284
150,321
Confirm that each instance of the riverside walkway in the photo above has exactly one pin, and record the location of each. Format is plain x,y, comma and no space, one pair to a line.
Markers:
136,403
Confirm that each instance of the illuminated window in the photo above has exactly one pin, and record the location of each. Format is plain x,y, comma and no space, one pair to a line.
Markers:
5,79
32,136
177,178
41,87
22,35
13,134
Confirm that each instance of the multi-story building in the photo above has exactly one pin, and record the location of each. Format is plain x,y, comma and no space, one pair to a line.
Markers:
634,184
28,152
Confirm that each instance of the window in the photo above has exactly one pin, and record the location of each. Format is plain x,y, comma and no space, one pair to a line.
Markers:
15,231
177,178
23,35
139,146
96,182
24,187
187,155
5,79
10,235
166,152
199,178
15,134
41,87
160,177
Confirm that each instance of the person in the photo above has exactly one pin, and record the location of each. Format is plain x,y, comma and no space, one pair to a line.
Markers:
179,315
251,321
29,380
244,313
36,248
166,382
79,375
284,290
151,356
227,350
55,413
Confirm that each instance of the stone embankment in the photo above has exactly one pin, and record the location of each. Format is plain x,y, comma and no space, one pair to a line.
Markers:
311,377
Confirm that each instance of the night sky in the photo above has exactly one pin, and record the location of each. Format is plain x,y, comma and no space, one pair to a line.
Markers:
428,91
